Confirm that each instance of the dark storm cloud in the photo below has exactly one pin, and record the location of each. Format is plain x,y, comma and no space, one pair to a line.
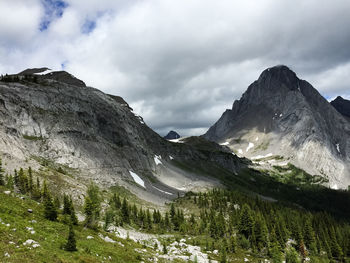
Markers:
180,64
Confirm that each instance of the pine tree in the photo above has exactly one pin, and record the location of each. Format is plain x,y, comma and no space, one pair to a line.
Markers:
292,256
16,179
67,205
89,212
30,180
71,242
246,223
125,212
275,253
56,203
44,191
50,211
10,182
309,236
73,217
2,181
334,245
92,206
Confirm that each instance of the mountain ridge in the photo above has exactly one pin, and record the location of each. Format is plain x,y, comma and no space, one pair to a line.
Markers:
287,117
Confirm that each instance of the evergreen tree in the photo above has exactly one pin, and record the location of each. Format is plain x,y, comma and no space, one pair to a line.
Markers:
2,180
50,211
92,206
10,182
275,253
309,236
67,205
89,213
16,179
246,223
30,180
292,256
334,245
125,212
71,242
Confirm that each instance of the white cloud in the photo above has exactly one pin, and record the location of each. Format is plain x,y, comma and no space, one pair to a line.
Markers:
180,64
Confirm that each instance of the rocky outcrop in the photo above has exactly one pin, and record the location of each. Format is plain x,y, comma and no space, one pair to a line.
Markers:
54,117
280,114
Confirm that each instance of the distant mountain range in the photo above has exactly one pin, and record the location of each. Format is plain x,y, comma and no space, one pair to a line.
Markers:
282,119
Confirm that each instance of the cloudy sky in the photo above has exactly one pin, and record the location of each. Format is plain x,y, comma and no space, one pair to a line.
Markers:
180,63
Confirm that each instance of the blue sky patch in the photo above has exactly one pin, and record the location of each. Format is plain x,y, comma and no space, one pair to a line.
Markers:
88,26
53,9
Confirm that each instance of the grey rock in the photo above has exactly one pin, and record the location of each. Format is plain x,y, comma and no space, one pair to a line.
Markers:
284,115
342,106
98,136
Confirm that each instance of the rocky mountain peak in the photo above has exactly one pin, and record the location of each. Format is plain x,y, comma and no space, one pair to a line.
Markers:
280,75
172,135
342,106
283,115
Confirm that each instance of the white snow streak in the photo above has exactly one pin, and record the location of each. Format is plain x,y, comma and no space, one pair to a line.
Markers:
240,151
157,159
250,145
261,156
338,147
162,191
225,143
137,179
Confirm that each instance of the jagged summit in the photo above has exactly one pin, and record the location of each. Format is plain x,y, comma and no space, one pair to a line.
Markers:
280,114
342,106
172,135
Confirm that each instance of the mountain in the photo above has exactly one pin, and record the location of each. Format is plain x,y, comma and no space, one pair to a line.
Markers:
282,119
172,135
342,106
53,122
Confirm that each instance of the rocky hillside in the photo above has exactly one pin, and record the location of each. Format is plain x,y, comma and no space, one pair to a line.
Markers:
342,106
52,119
282,119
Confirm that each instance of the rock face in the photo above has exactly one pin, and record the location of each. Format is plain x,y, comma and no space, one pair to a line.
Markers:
280,114
56,117
172,135
342,106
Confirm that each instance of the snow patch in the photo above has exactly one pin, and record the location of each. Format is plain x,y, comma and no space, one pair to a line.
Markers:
225,143
44,72
162,191
171,158
261,156
334,186
240,151
281,115
157,159
338,147
250,145
176,140
137,179
257,139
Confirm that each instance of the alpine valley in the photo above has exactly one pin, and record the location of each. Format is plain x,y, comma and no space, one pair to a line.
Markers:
84,179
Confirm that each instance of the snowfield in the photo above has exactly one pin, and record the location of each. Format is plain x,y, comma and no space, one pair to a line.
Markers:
137,179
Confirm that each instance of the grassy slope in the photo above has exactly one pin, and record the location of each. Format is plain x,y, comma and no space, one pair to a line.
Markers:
52,235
